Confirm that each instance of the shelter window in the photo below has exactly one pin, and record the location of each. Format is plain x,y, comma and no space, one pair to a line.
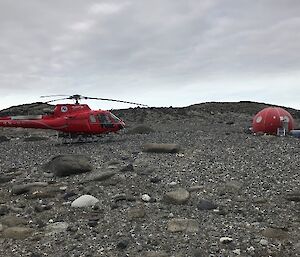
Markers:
93,119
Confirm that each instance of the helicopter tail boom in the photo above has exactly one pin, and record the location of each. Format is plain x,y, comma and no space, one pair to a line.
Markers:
32,121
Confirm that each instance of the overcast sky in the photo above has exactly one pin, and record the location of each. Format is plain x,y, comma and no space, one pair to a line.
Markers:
157,52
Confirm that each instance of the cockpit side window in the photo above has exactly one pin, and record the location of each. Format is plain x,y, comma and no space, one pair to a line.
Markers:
93,119
105,121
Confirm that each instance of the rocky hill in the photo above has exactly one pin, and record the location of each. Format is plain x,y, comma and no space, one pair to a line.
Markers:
28,109
177,182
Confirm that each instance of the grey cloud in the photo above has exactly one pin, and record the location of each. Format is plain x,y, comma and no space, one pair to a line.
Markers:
135,45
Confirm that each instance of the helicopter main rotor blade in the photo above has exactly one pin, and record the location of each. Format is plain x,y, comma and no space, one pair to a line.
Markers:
77,97
113,100
66,98
43,96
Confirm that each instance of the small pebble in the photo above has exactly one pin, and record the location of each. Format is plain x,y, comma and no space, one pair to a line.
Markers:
226,240
146,198
263,242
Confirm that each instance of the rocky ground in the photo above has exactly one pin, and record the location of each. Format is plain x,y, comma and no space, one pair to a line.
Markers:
205,188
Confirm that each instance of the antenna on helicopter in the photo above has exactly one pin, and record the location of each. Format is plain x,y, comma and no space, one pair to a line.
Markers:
77,97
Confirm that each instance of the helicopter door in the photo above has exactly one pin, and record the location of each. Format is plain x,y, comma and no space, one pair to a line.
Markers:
105,121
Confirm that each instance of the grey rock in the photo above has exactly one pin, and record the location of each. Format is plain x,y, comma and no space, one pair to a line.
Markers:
13,221
198,253
263,242
156,254
260,200
85,201
25,188
34,138
17,232
275,233
66,165
146,198
179,196
293,196
206,205
126,168
155,179
140,129
42,207
123,244
56,228
5,178
4,209
183,225
4,139
226,240
233,186
136,213
195,189
161,148
297,247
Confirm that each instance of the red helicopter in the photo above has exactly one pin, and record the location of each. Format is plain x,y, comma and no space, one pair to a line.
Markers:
72,120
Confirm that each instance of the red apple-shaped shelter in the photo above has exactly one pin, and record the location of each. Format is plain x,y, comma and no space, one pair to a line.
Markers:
272,119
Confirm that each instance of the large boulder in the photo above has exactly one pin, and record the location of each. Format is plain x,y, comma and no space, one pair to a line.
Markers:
66,165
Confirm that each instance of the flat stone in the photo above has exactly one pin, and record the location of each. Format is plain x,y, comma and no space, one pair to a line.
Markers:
84,201
156,254
55,228
297,247
25,188
4,139
263,242
127,168
13,221
34,138
275,233
233,186
161,148
136,213
4,209
5,178
260,200
140,129
195,189
179,196
183,225
17,232
206,205
42,194
293,196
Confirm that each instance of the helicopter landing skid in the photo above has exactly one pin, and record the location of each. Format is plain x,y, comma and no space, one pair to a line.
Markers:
69,138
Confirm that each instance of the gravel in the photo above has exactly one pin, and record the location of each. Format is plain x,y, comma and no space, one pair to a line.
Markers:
229,193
